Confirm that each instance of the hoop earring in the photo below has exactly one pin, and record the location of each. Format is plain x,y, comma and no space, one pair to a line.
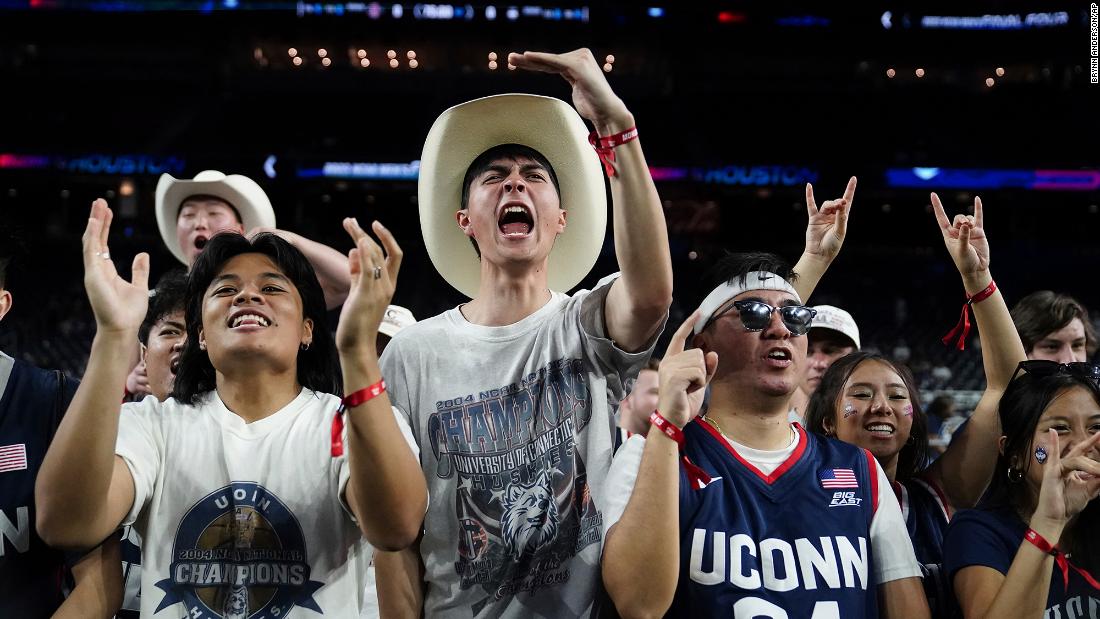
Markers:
303,347
1015,476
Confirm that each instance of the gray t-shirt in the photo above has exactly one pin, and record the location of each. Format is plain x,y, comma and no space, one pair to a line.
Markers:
516,443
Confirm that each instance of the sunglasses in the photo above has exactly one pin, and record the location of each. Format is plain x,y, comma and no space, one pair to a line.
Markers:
1042,367
757,315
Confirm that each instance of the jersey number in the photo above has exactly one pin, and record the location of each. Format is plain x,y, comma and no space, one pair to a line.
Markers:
757,608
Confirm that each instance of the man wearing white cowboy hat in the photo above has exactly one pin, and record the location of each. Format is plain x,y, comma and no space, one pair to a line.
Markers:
189,212
506,394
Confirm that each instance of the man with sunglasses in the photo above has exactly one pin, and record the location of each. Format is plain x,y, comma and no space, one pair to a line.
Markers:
740,509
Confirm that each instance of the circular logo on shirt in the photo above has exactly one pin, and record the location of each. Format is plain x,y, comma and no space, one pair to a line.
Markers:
239,552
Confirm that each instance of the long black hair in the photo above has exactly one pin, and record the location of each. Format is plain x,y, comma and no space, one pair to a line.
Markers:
913,458
1020,409
318,366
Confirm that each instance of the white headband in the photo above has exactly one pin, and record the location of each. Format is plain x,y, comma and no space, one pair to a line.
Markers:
756,280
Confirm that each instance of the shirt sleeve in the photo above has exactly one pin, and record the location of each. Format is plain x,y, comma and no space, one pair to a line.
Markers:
972,540
616,364
139,446
620,480
890,544
393,365
344,472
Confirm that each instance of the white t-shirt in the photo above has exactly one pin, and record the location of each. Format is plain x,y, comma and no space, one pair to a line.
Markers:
890,546
241,518
516,439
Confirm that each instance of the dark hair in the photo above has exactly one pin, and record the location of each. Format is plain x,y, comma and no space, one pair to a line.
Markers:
481,165
1020,408
737,266
1043,312
169,296
202,197
318,367
913,457
653,364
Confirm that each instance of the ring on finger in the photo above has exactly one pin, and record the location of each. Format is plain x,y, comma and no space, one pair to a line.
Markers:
377,272
106,255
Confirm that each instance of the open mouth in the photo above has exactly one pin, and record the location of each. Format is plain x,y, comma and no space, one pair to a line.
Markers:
880,429
779,354
515,221
200,242
248,320
174,365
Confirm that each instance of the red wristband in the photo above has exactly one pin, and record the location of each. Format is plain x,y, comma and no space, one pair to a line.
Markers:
364,395
697,477
1060,559
962,329
605,147
1040,542
666,426
351,400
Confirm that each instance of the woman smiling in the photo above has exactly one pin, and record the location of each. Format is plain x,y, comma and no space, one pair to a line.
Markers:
240,484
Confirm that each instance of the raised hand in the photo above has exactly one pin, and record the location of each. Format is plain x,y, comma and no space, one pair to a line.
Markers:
828,225
1069,482
137,383
964,237
592,95
373,279
683,375
119,305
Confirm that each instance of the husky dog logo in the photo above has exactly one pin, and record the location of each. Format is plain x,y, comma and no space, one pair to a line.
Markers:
530,518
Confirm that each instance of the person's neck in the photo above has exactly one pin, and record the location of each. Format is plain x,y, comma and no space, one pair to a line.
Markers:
252,395
755,420
506,297
890,467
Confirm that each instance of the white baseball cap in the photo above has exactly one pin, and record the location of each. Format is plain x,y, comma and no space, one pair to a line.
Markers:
836,319
395,319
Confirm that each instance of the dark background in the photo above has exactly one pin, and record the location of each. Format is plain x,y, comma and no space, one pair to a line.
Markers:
710,84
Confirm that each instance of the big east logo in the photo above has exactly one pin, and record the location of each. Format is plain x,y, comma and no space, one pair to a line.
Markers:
841,499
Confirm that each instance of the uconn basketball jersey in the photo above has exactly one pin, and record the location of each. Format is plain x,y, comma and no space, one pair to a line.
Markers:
31,574
925,510
795,543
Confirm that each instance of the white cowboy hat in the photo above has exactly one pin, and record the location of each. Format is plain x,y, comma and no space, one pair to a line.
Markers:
241,192
548,125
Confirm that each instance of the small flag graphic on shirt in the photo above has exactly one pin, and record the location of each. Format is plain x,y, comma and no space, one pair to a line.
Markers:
838,478
13,458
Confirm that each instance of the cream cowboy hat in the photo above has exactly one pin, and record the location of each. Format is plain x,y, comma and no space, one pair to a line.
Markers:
241,192
548,125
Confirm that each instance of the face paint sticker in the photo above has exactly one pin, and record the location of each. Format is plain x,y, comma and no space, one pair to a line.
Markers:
849,410
908,410
1040,454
